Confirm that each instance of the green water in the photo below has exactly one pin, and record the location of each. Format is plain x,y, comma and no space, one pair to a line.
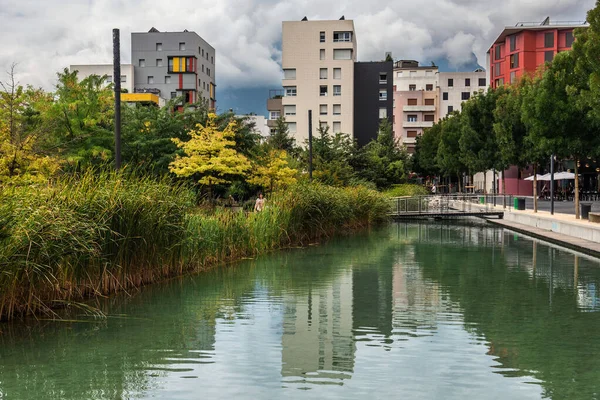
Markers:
410,311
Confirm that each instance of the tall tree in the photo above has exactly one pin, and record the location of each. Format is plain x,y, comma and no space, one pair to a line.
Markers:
272,171
280,139
426,149
210,155
448,155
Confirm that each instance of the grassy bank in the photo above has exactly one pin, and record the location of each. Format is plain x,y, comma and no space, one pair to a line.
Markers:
99,234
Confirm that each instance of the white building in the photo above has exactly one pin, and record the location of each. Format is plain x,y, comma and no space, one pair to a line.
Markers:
260,124
318,65
457,87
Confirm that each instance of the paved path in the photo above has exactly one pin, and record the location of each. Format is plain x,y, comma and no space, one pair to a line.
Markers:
561,207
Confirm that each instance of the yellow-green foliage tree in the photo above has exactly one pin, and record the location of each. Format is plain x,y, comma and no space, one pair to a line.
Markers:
272,171
210,154
21,157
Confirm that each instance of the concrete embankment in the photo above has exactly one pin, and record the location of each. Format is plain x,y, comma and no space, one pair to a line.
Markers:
562,229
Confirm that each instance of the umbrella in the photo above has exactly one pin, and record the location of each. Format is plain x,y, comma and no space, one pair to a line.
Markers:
530,178
564,175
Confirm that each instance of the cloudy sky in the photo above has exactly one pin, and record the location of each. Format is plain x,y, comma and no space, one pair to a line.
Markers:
44,36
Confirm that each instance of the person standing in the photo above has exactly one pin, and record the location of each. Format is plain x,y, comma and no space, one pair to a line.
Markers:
433,189
260,203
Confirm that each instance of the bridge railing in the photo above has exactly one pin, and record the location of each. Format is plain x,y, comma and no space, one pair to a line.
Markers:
449,203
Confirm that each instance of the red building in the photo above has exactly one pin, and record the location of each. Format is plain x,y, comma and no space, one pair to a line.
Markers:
522,49
526,46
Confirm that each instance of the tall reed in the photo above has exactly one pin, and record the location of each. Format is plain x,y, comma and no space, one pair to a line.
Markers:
99,233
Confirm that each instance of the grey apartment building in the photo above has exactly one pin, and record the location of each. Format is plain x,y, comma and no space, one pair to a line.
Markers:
174,64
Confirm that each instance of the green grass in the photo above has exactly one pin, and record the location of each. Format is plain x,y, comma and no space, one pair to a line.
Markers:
100,233
407,189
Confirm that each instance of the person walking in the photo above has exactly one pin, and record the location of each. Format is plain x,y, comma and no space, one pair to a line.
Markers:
260,203
433,189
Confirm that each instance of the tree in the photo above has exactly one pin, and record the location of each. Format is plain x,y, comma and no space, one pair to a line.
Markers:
281,139
331,157
271,171
426,149
448,156
558,118
21,156
478,143
210,155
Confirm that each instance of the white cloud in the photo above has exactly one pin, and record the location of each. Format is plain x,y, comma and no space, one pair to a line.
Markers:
46,36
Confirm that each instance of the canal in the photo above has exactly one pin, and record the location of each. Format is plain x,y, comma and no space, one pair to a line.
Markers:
416,311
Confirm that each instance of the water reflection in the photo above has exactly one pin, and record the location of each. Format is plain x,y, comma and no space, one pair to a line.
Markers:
431,310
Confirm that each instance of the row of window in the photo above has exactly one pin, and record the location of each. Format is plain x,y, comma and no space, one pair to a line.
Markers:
514,62
178,64
291,91
427,102
548,43
337,109
337,37
412,74
463,95
338,54
159,47
109,79
337,126
168,80
426,118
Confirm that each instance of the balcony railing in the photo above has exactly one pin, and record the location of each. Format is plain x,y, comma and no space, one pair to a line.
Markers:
418,108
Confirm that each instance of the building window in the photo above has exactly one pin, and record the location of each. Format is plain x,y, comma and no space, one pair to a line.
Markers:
207,56
150,80
204,85
549,39
173,95
450,82
202,67
202,52
182,64
323,109
167,79
322,54
411,118
465,96
382,78
514,60
342,54
429,87
450,109
290,91
291,127
382,94
412,102
445,96
159,62
548,56
322,73
498,52
382,112
569,39
289,109
482,82
158,46
430,102
337,90
123,78
337,127
337,109
337,73
412,88
208,71
274,114
142,62
513,76
212,60
199,82
108,78
342,36
399,74
429,118
513,43
497,69
428,73
411,134
322,125
323,90
468,82
322,37
289,73
412,74
181,46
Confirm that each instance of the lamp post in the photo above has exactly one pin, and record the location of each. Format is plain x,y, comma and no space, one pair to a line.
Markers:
310,155
552,184
117,82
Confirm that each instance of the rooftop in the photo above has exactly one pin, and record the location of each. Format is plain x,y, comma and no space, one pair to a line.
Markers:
538,26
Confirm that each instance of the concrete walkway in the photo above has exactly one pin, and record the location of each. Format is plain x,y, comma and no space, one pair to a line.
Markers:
562,229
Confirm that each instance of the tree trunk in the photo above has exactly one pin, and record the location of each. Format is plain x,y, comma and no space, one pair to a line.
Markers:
459,185
503,183
484,182
535,195
577,216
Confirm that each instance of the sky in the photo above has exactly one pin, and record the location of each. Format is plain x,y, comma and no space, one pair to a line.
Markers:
45,36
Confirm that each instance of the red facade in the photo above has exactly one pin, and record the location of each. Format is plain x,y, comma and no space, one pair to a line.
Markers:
519,51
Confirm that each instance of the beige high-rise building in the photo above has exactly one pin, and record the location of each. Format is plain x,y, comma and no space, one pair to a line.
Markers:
318,67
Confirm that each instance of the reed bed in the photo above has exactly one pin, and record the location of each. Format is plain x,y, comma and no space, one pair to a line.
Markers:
100,233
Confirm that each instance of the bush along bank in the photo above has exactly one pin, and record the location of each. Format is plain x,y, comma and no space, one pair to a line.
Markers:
101,233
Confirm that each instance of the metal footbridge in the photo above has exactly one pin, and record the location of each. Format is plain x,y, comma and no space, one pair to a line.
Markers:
447,206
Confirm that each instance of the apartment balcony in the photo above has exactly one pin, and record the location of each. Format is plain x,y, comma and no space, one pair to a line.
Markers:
418,124
418,108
